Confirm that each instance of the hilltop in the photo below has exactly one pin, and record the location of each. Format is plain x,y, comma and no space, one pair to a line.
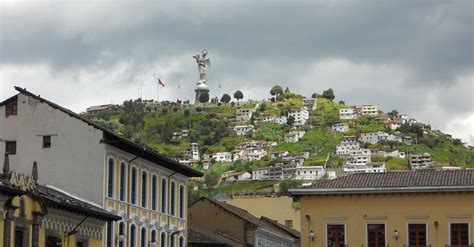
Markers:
224,138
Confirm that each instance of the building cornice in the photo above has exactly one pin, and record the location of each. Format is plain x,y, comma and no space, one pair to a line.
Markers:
341,191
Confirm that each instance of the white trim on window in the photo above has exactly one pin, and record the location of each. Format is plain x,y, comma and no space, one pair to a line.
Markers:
108,177
125,196
326,232
460,222
417,223
137,174
367,231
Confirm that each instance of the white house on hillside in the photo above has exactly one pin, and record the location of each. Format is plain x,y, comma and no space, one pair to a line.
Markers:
242,130
340,127
222,157
369,110
309,172
348,113
243,115
300,116
348,143
309,104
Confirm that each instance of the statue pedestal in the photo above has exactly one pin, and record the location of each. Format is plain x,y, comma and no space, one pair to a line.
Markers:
200,89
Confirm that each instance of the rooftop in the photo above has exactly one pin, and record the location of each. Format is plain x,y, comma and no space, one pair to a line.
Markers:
394,182
120,142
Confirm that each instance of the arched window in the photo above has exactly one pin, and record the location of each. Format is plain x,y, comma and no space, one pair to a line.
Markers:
172,240
181,242
110,179
110,234
173,198
143,237
163,195
181,201
153,236
153,192
163,240
144,188
121,234
123,179
133,235
133,193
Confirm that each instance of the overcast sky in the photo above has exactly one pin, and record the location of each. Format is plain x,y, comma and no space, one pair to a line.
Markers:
414,56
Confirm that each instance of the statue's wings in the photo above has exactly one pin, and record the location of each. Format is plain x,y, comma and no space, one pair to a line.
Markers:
208,62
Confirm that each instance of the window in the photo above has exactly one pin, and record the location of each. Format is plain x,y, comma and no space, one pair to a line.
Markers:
153,236
10,147
172,240
143,238
133,193
289,223
110,181
53,241
132,236
181,201
144,189
163,240
336,236
153,192
459,233
417,235
46,141
163,195
110,234
11,108
123,177
375,235
172,198
181,242
121,234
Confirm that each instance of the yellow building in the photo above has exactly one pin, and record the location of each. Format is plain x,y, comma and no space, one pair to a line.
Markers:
36,215
277,208
410,208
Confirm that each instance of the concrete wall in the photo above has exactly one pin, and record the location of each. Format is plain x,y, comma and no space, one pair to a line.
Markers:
75,161
395,210
276,208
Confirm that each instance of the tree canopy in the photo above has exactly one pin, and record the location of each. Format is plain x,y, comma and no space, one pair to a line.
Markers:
329,94
238,95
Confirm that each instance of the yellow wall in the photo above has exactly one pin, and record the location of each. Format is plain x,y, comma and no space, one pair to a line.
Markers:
33,206
396,210
276,208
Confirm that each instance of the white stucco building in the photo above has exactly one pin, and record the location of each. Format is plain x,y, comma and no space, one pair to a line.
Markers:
309,172
293,136
300,116
369,110
340,127
259,173
309,104
368,168
243,114
348,113
242,130
359,157
373,137
347,144
222,157
421,161
145,188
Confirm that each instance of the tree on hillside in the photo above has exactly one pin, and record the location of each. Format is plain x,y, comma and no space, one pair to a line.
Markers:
329,94
290,120
314,95
342,102
238,95
393,113
276,90
287,90
132,116
204,97
225,98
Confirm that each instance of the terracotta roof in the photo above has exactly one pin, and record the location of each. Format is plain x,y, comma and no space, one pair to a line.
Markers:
202,236
394,182
248,217
123,143
294,233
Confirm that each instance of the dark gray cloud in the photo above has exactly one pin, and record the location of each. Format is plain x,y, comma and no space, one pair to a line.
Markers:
397,54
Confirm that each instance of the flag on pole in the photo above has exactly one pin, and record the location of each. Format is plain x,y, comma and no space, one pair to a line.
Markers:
161,82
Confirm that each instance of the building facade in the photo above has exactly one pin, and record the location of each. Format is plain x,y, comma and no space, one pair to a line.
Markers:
146,189
37,215
239,224
411,208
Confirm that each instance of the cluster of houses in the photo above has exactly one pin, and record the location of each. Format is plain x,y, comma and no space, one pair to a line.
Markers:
357,111
288,167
